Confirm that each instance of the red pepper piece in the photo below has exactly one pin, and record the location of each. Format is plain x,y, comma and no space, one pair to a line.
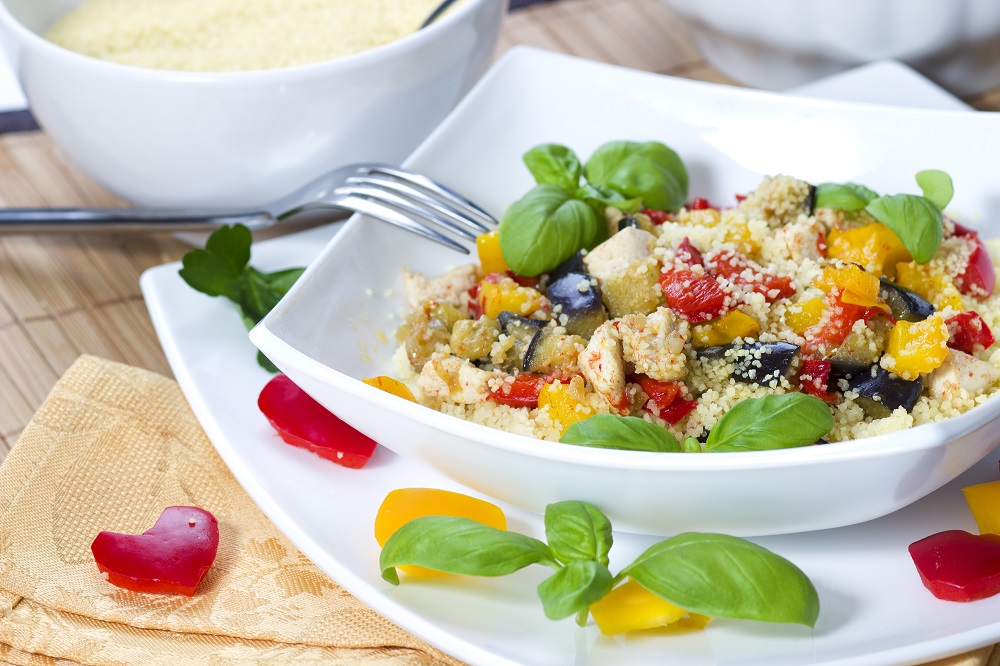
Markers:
524,280
657,217
814,377
525,389
677,410
957,566
301,421
689,254
969,333
695,298
665,399
169,558
700,204
736,268
979,276
835,325
474,307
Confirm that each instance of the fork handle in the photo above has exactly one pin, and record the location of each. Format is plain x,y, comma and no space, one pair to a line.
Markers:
105,220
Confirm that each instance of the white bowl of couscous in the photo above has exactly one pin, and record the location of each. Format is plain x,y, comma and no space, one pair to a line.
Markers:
228,104
327,340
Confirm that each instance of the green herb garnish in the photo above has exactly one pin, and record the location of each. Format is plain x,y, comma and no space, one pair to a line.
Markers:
843,196
630,433
560,216
711,574
223,269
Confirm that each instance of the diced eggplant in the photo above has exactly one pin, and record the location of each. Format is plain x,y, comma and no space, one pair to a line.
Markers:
715,352
523,331
473,339
575,296
635,290
843,368
628,221
865,346
764,362
550,351
810,204
905,304
572,265
880,392
506,319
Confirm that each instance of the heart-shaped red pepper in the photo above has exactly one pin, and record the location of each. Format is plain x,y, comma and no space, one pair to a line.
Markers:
171,557
957,566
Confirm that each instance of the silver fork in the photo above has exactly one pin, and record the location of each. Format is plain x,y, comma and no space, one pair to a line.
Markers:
391,194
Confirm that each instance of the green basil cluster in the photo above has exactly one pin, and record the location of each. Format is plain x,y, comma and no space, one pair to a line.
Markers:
755,424
712,574
562,215
915,219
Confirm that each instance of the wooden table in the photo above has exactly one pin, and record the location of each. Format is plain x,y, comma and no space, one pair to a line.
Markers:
64,296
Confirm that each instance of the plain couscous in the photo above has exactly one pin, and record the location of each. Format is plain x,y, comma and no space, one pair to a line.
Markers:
678,311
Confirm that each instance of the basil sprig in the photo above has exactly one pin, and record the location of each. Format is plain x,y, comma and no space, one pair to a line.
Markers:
915,219
711,574
561,216
630,433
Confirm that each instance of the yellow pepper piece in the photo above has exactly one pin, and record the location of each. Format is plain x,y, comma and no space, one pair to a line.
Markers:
857,286
916,347
506,294
405,504
984,502
931,284
734,324
631,607
803,315
566,402
390,385
874,246
490,257
740,236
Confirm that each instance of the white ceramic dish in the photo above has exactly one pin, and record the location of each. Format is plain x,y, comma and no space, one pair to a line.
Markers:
242,139
777,44
874,610
326,340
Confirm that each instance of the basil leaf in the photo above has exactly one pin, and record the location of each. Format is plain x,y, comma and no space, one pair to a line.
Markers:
771,422
628,433
544,228
936,186
552,164
601,197
725,576
916,220
843,196
573,588
691,445
649,171
461,546
577,531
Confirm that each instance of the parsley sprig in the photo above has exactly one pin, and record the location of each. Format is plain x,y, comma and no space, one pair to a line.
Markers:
223,269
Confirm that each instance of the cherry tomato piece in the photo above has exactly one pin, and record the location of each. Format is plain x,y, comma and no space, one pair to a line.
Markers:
171,557
957,566
303,422
969,333
693,297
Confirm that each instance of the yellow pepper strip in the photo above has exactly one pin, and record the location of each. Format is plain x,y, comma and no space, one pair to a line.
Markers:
390,385
490,257
933,285
874,246
723,330
803,315
916,347
857,286
405,504
566,402
631,607
495,297
984,502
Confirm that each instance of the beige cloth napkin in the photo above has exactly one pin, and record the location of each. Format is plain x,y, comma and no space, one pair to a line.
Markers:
110,448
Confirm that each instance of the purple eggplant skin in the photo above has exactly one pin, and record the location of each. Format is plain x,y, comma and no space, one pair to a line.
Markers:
903,303
577,297
880,392
572,265
776,360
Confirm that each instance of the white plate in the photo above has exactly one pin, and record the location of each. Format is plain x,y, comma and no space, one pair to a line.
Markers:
874,609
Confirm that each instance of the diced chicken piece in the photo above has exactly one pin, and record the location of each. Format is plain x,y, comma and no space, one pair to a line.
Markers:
962,371
802,238
627,247
455,379
654,344
603,365
448,288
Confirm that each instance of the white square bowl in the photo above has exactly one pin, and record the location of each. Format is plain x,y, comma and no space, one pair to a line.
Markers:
336,325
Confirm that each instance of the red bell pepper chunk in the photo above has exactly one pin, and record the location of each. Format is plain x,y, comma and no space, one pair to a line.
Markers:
677,410
301,421
689,254
665,399
969,333
696,298
700,204
833,329
979,276
524,280
736,268
525,389
958,566
169,558
814,377
657,217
